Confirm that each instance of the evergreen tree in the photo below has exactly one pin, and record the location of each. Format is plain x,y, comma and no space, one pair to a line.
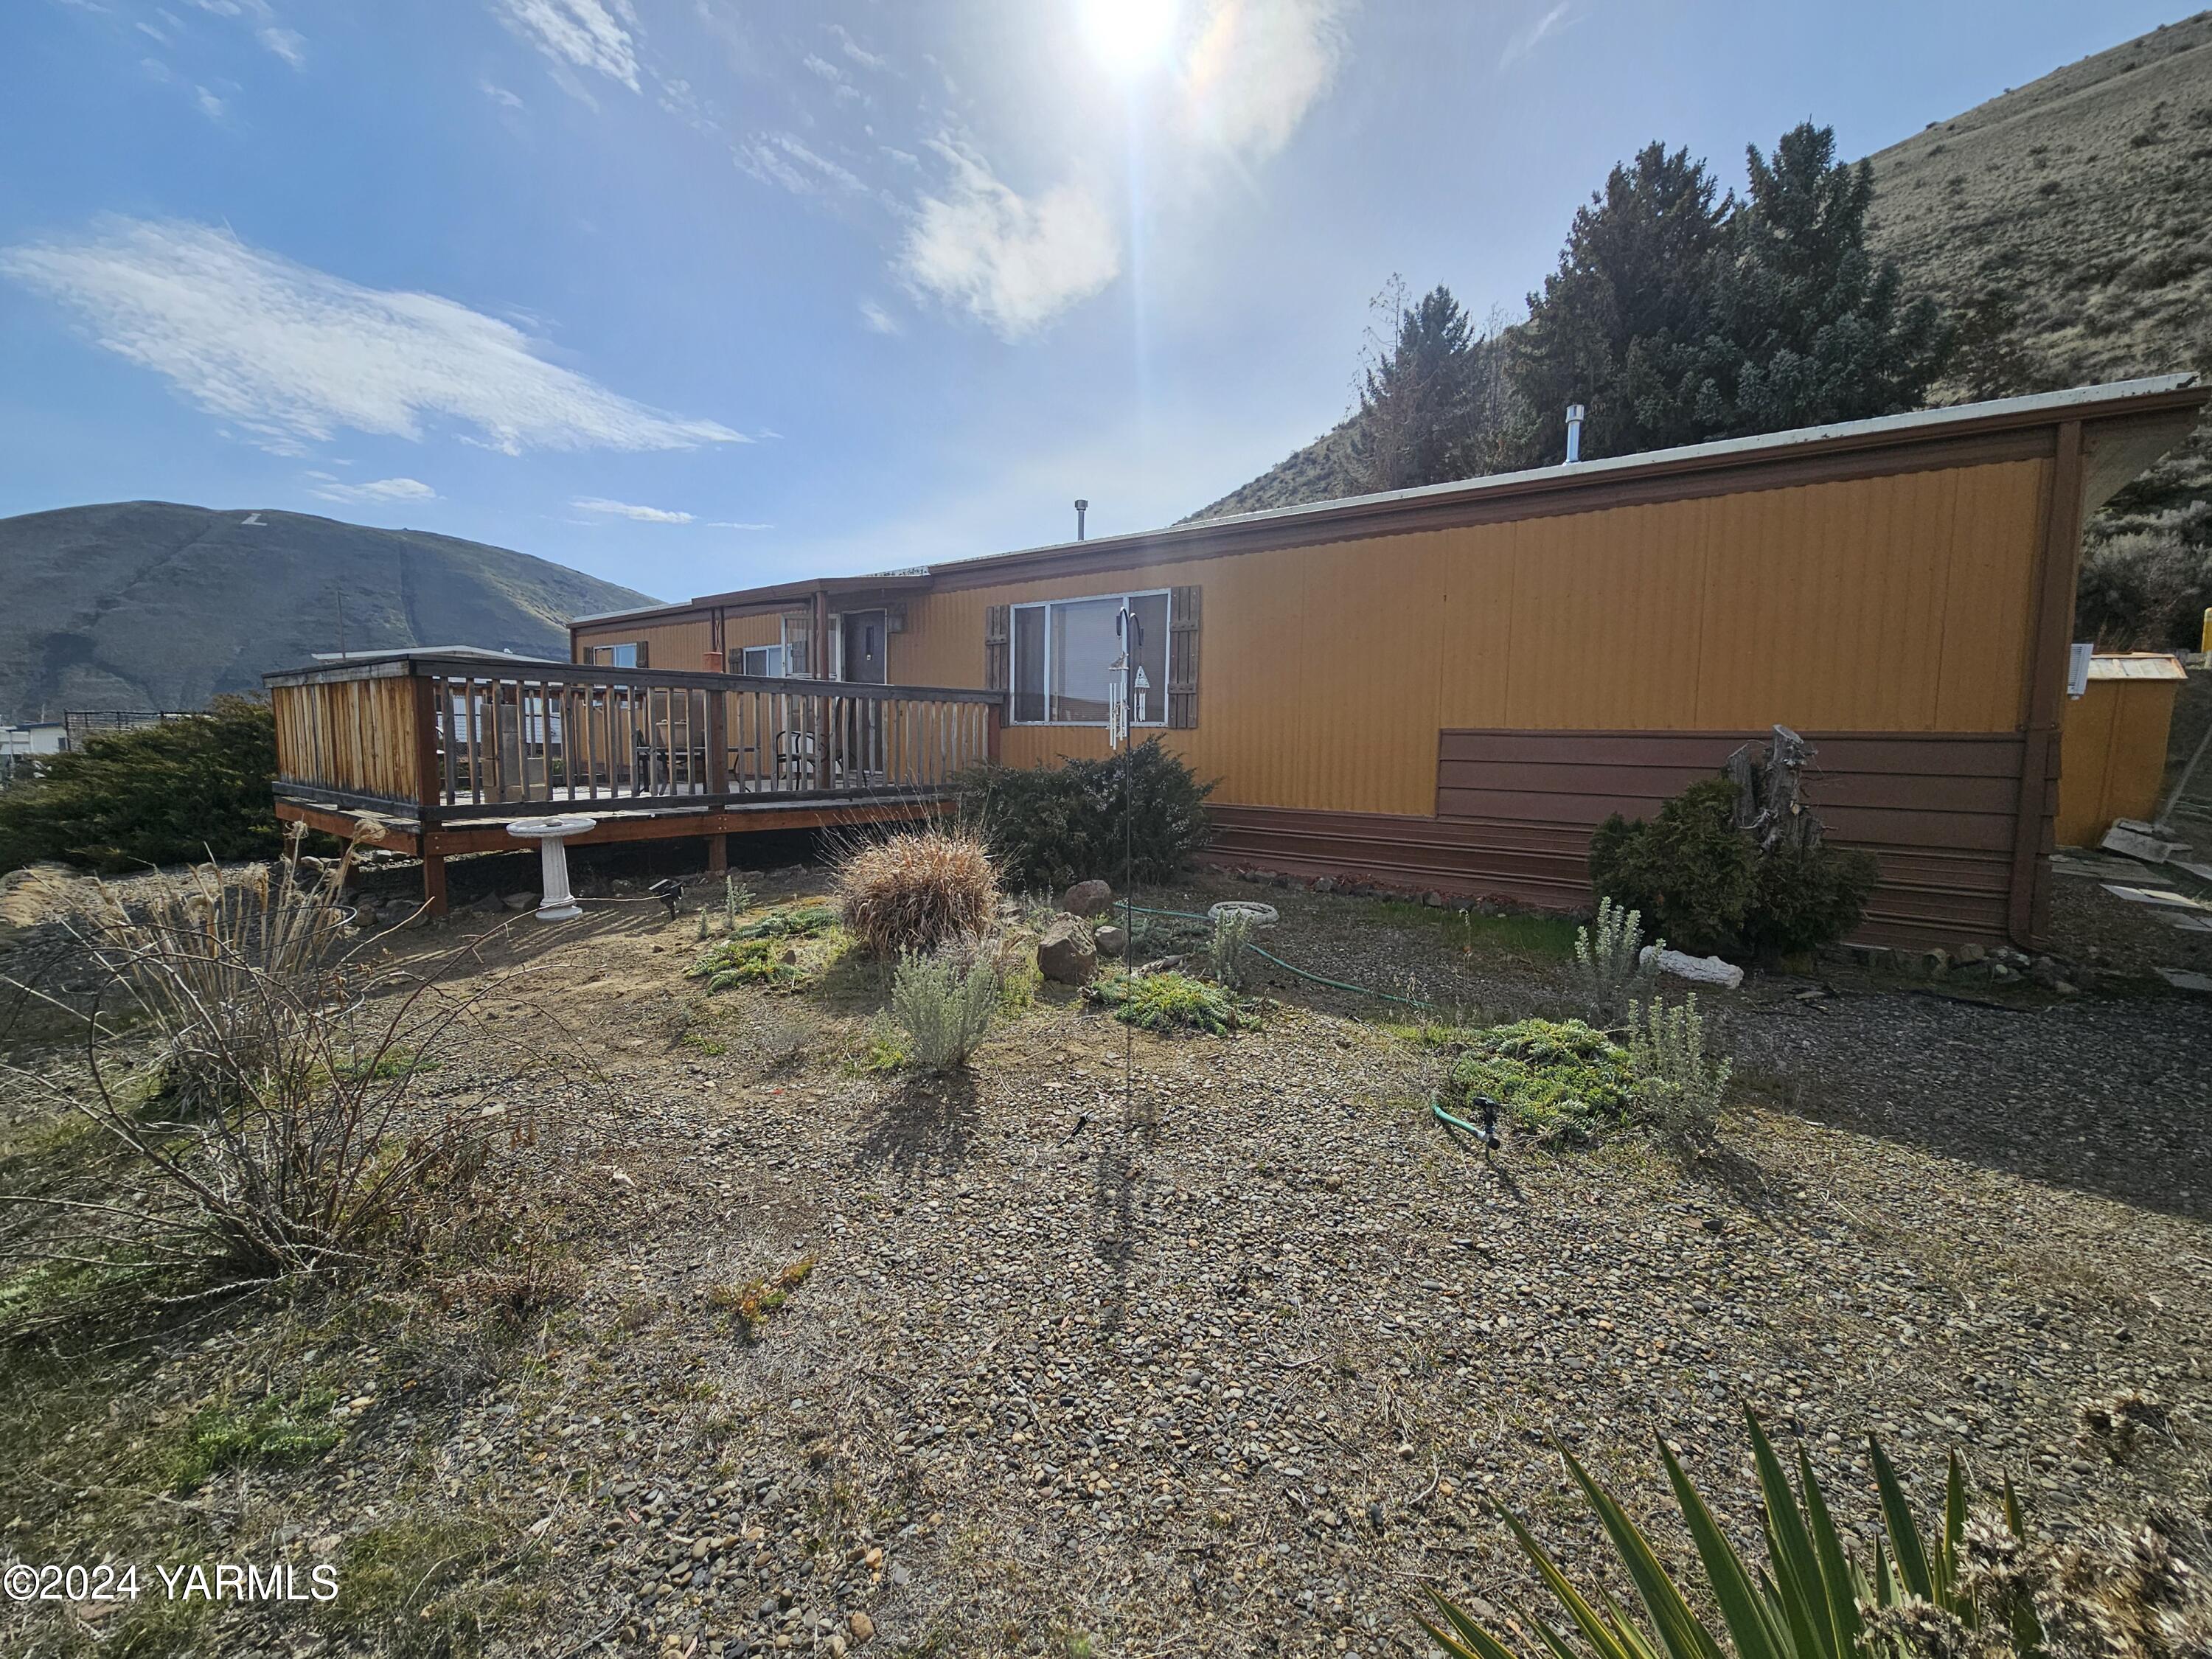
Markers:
1620,325
1809,328
1420,393
1676,319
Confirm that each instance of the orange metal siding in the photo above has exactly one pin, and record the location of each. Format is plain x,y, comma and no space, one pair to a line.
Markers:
682,643
2113,755
1892,604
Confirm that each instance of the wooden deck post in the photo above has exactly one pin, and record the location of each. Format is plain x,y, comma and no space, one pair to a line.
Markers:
992,723
434,883
718,854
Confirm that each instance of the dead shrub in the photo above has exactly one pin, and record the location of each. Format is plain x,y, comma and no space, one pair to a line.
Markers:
262,1098
914,892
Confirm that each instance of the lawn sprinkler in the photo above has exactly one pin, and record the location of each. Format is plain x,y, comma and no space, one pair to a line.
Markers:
1486,1132
670,891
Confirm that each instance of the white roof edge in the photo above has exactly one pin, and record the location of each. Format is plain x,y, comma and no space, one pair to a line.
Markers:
2032,404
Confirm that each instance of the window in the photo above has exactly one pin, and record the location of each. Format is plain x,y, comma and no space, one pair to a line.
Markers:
1064,656
629,655
763,661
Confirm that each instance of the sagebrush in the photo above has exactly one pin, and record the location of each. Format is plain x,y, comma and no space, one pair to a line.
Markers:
916,892
1679,1087
944,1004
1225,947
1608,955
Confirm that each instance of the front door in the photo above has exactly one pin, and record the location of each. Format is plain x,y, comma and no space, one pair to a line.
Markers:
865,647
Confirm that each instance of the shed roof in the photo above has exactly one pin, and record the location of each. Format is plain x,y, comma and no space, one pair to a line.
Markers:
2136,666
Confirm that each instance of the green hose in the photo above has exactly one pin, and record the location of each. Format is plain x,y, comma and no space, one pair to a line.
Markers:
1288,967
1435,1104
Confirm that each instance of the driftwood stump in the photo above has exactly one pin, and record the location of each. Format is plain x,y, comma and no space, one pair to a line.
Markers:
1769,804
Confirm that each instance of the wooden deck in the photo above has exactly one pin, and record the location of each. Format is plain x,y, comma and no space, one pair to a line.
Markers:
436,755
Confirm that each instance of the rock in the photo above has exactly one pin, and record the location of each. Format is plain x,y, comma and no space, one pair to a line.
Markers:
1935,963
1702,971
1086,898
1110,939
1434,901
519,901
864,1628
1324,883
1067,955
1969,954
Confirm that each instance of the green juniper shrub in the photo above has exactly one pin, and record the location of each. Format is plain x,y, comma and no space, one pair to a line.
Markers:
175,792
1050,827
1688,870
1558,1080
1706,886
1168,1002
1803,898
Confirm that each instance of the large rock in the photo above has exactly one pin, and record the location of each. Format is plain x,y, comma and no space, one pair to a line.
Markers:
1086,898
1066,955
1109,938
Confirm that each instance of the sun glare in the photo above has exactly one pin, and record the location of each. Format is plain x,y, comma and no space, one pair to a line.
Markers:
1129,37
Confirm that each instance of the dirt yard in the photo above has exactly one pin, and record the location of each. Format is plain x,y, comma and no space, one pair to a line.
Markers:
1123,1345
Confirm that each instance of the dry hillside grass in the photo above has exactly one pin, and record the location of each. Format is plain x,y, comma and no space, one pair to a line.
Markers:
2066,223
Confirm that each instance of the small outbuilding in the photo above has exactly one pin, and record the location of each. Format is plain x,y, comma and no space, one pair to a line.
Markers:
2116,734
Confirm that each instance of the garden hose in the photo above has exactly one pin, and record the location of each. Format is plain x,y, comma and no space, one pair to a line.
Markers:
1436,1105
1288,967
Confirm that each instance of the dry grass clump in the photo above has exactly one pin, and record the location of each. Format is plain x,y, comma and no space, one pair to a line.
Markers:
916,891
261,1098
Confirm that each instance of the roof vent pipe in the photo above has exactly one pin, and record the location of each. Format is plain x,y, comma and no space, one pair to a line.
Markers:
1081,507
1574,432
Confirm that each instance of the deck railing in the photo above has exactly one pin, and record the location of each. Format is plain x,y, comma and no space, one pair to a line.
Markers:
448,738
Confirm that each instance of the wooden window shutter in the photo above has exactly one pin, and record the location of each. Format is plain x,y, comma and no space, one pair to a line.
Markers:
996,624
1182,657
641,655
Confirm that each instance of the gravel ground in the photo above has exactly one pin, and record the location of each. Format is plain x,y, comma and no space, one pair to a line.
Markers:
1240,1371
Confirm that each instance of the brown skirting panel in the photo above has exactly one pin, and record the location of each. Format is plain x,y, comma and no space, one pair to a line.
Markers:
1515,810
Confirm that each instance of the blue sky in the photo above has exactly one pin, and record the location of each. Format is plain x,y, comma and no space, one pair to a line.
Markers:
697,294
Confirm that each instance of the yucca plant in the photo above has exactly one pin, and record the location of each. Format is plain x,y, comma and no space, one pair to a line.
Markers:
1812,1599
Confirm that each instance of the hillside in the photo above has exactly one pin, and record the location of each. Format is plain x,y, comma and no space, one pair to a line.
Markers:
146,604
2068,222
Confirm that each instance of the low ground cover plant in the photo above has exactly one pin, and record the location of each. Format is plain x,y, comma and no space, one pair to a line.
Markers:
763,951
917,891
1558,1080
1168,1002
1051,827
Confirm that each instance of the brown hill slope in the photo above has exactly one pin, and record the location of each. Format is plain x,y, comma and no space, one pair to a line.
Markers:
146,605
2068,222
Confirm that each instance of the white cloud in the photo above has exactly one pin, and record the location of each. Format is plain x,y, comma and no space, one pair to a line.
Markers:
289,44
209,104
294,354
1258,66
1014,261
591,34
778,158
383,490
821,66
720,524
878,320
499,95
1525,40
854,50
605,508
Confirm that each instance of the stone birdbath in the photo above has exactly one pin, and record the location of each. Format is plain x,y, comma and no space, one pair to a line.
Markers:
551,835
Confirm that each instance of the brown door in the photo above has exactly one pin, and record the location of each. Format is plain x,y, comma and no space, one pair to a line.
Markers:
865,647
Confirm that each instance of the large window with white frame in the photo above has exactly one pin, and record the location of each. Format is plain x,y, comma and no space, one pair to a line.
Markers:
1063,655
